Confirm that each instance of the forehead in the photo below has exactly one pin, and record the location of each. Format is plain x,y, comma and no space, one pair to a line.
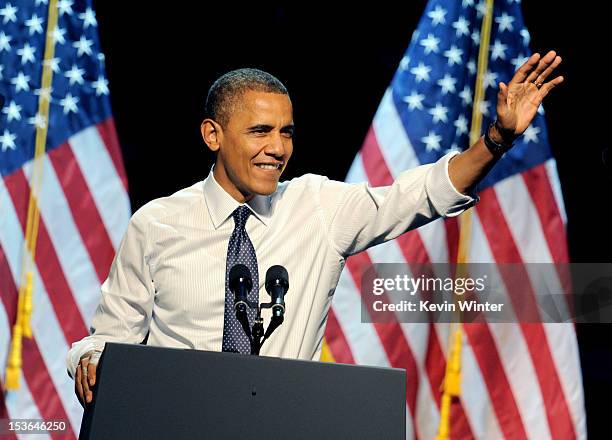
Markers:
260,107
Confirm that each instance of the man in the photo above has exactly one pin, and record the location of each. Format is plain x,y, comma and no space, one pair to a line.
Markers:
169,281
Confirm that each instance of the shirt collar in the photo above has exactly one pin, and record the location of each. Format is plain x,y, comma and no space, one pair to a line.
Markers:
221,205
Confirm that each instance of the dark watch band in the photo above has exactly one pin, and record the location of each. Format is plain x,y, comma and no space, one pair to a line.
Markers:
495,148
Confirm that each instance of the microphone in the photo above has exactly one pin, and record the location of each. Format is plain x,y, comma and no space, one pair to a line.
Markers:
240,284
277,284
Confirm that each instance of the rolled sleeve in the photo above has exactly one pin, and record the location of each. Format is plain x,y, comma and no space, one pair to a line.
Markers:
447,201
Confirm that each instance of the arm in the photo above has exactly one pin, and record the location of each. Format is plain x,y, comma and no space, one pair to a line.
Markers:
517,104
357,216
124,311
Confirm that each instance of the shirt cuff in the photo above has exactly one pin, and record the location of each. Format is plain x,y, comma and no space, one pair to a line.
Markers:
447,201
79,348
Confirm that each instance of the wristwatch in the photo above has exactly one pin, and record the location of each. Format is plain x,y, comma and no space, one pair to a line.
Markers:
495,148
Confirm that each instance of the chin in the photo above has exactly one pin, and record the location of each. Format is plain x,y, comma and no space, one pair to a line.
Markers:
266,189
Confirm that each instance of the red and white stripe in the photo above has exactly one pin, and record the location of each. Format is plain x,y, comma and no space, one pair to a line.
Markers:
84,210
518,380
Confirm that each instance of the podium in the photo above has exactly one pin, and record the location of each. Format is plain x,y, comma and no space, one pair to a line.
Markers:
165,393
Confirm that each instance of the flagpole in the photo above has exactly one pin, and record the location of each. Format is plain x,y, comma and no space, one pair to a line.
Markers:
22,326
452,375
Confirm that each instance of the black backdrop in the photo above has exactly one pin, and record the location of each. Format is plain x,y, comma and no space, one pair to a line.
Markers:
162,57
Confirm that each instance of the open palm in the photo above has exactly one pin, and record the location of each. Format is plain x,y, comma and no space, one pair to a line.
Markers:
518,102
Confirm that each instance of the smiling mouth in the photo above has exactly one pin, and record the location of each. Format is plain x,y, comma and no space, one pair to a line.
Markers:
270,166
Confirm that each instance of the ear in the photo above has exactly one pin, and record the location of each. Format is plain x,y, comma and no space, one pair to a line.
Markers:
211,133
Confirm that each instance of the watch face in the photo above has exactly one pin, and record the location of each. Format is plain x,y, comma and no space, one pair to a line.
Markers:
495,148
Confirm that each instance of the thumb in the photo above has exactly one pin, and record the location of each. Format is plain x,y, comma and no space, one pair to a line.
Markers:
502,94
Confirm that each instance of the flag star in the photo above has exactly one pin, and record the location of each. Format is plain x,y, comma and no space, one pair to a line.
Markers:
34,25
12,111
65,7
432,141
466,95
101,57
439,113
414,100
481,8
519,61
476,36
430,44
21,82
58,35
7,140
526,37
447,84
69,103
101,86
483,107
505,22
83,46
421,72
461,125
461,27
404,63
498,50
26,53
466,3
44,93
490,79
454,55
54,63
453,148
4,42
89,18
8,13
38,120
437,16
531,134
471,65
75,75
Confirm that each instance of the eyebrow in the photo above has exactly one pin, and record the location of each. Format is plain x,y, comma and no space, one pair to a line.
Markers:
267,128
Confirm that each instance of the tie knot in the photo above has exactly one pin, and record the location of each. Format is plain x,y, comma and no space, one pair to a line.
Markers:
241,214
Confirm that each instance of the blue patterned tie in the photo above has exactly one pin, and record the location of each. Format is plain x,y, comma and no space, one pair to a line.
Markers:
239,251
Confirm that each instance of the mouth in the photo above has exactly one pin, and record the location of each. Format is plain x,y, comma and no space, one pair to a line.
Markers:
270,166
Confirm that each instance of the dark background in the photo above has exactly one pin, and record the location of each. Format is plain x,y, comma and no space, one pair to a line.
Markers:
336,62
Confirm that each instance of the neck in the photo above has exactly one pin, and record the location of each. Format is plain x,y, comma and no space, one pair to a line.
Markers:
228,186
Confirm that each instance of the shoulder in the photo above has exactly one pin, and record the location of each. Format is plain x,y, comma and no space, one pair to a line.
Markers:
158,209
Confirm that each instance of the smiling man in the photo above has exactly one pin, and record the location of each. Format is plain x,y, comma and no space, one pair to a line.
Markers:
168,284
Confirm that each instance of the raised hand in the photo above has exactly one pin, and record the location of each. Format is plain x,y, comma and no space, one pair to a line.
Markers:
518,102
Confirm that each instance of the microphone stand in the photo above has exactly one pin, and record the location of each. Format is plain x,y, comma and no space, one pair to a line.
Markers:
257,333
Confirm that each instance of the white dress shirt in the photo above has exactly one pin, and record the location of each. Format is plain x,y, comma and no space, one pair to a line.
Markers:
168,277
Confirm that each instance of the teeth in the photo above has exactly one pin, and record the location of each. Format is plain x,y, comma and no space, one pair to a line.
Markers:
269,166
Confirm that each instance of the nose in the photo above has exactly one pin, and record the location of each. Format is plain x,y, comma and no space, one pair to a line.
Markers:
276,146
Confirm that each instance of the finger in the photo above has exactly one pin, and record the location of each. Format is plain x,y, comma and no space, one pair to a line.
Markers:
78,387
91,374
523,72
86,392
502,94
546,88
542,77
542,66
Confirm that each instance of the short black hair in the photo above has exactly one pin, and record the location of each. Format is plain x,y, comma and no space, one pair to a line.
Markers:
227,89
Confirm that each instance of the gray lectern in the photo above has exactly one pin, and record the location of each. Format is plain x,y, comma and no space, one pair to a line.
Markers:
161,393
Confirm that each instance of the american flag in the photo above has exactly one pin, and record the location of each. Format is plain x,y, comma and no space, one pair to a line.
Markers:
82,196
518,380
